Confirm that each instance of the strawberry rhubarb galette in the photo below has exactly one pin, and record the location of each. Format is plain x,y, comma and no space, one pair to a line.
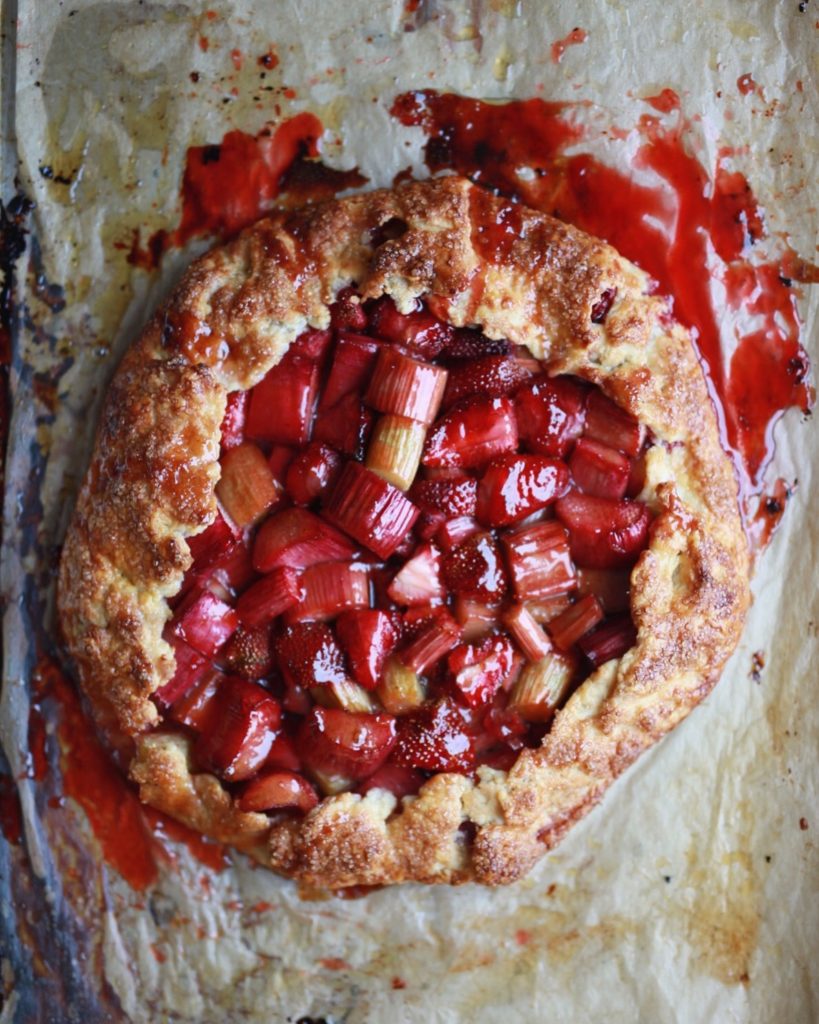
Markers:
407,529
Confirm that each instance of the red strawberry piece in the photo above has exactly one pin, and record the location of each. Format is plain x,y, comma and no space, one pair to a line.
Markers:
603,534
309,655
418,581
249,653
353,360
282,754
191,666
273,594
551,412
347,313
233,422
331,588
296,700
434,738
197,708
352,745
419,330
527,632
276,791
236,572
474,431
406,387
345,426
367,637
478,670
468,343
608,423
456,496
312,472
491,375
430,640
598,469
515,486
213,545
370,510
312,344
428,524
611,639
505,725
242,729
205,622
247,488
475,569
539,561
395,779
576,621
282,405
298,538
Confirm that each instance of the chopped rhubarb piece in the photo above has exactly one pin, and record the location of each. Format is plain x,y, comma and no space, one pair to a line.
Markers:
338,743
420,330
603,534
235,573
492,375
282,754
598,469
312,344
312,472
395,450
454,532
395,779
474,431
197,708
539,560
541,687
478,670
612,587
298,538
400,689
353,361
233,422
515,486
279,460
611,639
475,569
608,423
406,387
330,588
527,633
370,510
244,724
434,739
418,581
309,655
347,313
476,618
548,608
213,545
454,497
276,791
436,638
283,403
249,653
550,412
205,622
345,426
269,597
247,488
191,666
345,694
576,621
367,637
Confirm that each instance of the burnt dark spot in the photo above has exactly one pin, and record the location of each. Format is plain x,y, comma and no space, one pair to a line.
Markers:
211,154
194,77
803,6
667,879
786,281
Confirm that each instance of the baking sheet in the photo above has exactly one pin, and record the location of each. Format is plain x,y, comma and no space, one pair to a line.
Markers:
693,893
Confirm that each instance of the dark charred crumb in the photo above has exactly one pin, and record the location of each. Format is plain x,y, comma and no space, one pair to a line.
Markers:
786,281
803,6
47,171
768,858
194,77
667,879
773,506
798,367
757,666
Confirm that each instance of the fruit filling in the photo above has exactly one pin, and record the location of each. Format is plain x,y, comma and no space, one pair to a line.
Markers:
423,546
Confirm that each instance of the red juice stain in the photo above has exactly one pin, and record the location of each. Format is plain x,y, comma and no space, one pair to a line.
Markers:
204,44
268,60
11,815
237,59
523,937
38,760
574,38
208,852
398,983
746,84
334,963
693,233
665,101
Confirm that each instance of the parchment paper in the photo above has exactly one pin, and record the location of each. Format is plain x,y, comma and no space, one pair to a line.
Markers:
692,894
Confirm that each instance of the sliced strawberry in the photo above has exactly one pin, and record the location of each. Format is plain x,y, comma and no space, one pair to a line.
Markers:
469,343
282,754
474,431
428,524
247,488
275,791
242,729
233,422
418,581
336,742
475,569
603,534
370,510
273,594
478,670
367,637
456,496
312,344
353,361
599,470
235,573
608,423
576,621
550,412
434,739
347,313
515,486
491,375
329,589
420,330
197,708
436,636
611,639
191,666
308,655
345,426
204,622
211,547
406,387
312,472
395,779
282,405
539,560
298,538
249,653
527,632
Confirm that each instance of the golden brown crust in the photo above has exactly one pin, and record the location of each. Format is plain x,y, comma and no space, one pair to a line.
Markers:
156,461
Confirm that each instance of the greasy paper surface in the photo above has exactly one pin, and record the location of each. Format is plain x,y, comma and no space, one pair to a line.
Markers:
692,894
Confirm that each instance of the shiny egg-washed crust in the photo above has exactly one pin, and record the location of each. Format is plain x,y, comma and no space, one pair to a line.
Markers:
155,465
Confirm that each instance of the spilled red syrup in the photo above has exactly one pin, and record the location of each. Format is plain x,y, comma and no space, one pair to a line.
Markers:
670,230
11,817
574,38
